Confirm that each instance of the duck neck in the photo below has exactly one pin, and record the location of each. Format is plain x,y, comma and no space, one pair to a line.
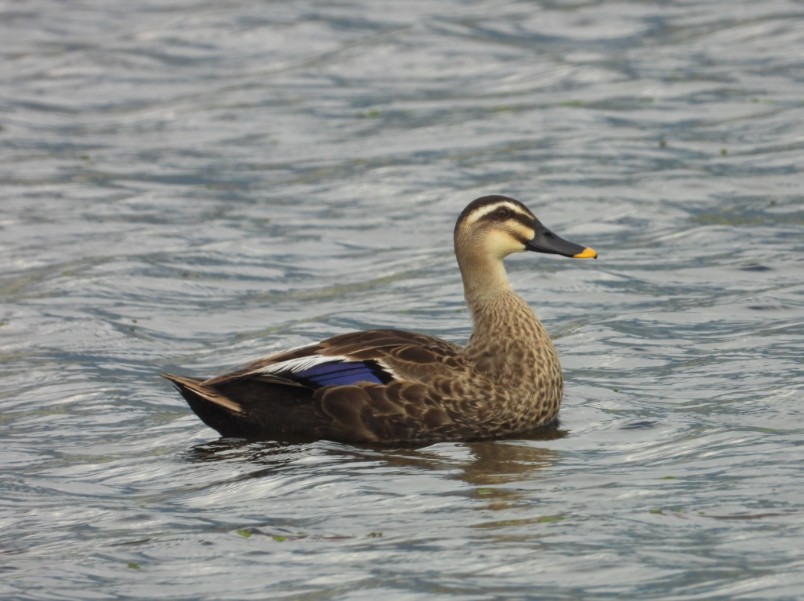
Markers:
495,307
484,280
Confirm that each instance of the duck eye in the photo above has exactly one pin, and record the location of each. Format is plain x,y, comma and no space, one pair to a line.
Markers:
502,213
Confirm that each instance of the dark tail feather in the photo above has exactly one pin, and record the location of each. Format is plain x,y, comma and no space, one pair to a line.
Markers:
215,410
256,408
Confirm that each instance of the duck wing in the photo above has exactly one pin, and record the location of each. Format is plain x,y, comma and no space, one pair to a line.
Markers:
368,386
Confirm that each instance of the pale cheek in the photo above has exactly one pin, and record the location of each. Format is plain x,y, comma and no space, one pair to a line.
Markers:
500,244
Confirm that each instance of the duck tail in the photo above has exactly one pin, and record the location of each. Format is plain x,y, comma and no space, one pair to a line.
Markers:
215,410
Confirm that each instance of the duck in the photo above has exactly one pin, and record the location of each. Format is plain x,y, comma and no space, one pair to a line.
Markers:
392,386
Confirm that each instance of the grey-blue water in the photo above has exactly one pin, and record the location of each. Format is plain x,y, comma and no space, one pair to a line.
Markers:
186,186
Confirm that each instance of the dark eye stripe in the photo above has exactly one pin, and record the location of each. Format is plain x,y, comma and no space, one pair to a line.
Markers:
523,219
518,217
487,204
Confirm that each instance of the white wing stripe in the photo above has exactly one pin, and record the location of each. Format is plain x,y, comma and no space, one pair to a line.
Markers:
300,364
305,363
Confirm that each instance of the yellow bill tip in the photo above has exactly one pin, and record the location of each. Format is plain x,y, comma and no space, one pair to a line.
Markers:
586,253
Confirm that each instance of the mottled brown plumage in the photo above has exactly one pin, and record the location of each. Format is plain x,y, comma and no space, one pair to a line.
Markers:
392,386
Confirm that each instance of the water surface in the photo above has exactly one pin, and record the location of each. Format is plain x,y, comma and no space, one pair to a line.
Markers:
186,188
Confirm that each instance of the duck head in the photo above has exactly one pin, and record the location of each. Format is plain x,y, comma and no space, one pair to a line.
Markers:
496,226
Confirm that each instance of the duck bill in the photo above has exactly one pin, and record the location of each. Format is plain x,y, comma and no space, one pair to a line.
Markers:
546,241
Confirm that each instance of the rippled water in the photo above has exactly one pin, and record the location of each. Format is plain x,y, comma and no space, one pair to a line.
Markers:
187,187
